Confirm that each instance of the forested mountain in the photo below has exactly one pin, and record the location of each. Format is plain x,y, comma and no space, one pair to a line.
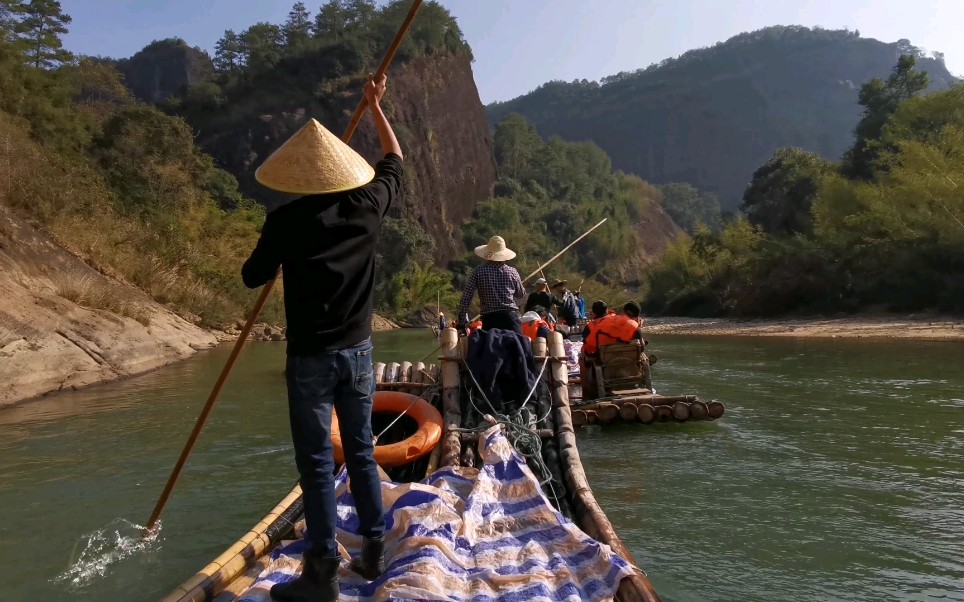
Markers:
712,116
883,228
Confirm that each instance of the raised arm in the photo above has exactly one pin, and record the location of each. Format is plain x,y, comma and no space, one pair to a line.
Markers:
374,90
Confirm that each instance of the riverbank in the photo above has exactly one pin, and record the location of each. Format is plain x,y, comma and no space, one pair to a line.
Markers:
65,325
918,327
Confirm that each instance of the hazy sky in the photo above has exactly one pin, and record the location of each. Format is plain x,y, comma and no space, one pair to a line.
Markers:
519,44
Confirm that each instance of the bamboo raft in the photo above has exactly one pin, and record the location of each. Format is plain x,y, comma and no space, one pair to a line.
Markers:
646,408
234,571
635,405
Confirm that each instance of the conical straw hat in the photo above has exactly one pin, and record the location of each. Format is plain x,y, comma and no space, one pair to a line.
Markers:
314,161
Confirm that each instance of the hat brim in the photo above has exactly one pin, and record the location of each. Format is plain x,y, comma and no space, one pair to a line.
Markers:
281,185
483,252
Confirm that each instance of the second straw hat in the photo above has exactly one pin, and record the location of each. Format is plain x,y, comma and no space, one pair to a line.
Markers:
314,161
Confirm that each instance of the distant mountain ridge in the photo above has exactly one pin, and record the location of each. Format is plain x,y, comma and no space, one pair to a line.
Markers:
714,115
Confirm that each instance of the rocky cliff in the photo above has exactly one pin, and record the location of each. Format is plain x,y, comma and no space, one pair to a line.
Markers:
714,115
64,325
165,68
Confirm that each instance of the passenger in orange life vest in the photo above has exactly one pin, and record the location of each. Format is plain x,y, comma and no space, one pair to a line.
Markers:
533,326
608,329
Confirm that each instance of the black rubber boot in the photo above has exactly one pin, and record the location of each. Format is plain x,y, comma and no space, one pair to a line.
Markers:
318,582
370,564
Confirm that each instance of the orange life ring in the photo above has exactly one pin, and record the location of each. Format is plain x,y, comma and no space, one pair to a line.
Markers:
425,439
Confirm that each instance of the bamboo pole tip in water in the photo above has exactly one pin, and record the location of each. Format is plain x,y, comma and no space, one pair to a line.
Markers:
681,411
591,416
715,409
646,412
664,413
579,418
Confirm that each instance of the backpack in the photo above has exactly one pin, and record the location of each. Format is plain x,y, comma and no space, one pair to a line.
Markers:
570,307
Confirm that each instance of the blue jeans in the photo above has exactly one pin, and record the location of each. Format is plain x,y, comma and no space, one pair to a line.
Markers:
342,380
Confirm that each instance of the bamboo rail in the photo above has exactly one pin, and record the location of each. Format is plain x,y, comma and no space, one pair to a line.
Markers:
590,516
263,297
450,445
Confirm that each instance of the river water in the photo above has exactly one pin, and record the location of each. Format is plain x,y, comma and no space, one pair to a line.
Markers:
837,473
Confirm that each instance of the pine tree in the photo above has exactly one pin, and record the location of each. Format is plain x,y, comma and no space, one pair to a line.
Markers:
331,20
228,53
9,13
297,29
40,28
880,100
262,46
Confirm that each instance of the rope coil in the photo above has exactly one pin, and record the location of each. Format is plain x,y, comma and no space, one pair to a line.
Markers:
519,427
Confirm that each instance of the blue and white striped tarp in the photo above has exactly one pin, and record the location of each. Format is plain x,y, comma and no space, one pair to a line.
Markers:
465,534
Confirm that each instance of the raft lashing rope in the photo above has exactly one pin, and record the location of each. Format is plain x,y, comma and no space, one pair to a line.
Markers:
521,426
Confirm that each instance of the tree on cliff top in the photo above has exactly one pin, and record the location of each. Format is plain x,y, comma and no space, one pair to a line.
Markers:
40,27
297,29
880,100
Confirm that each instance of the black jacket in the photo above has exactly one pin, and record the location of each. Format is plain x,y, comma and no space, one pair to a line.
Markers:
326,246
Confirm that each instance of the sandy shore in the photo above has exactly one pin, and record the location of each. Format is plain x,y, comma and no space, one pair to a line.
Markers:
927,328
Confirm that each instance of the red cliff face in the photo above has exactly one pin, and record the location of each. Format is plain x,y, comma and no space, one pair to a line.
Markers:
434,106
447,145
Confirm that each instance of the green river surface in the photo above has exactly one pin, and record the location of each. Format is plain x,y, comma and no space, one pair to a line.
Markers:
837,473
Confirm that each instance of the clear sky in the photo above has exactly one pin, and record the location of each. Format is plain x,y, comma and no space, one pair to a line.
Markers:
520,44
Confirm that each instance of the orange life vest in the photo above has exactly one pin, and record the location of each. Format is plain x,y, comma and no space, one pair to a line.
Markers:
608,330
475,325
531,329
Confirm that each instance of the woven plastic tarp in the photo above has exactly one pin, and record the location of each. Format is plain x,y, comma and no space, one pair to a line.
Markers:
465,534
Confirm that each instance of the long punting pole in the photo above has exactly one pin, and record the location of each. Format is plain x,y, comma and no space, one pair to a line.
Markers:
557,255
263,298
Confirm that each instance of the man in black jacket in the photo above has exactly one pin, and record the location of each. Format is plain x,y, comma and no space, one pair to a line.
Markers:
541,297
325,242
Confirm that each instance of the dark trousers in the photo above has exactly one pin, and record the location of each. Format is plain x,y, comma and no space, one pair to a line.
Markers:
342,380
507,320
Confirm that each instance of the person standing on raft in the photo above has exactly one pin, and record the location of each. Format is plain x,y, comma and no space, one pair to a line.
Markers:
325,241
499,286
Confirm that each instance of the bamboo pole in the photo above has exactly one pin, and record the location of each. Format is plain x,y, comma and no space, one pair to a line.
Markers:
559,254
263,297
699,411
647,413
715,410
681,411
607,412
452,410
628,412
589,515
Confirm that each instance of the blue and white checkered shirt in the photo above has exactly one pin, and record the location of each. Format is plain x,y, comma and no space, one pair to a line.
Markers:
499,286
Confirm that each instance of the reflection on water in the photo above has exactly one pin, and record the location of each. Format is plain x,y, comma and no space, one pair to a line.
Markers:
837,472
